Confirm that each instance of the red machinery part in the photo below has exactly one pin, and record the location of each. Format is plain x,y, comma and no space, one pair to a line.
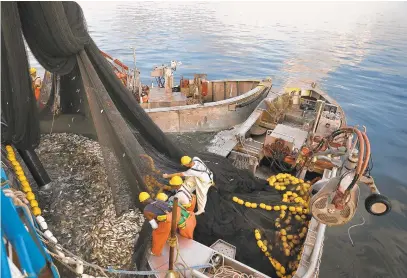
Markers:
204,88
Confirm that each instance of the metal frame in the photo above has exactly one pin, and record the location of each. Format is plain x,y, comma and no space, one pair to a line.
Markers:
30,250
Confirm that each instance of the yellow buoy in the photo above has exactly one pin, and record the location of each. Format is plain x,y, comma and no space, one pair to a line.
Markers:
268,207
283,232
257,236
263,206
254,205
248,204
260,243
25,183
235,199
283,207
26,189
36,211
11,158
276,208
30,196
34,203
298,209
18,168
291,208
240,202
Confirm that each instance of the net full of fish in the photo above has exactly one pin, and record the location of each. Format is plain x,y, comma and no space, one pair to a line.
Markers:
79,205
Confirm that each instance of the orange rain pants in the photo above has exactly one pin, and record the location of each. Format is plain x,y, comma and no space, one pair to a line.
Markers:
37,92
162,233
193,204
188,230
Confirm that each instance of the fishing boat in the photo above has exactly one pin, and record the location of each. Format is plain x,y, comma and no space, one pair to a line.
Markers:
296,142
302,131
195,105
293,135
297,130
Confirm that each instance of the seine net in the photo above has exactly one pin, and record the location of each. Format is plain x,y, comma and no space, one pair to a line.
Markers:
136,152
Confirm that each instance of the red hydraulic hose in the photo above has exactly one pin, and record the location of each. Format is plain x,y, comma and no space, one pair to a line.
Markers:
367,157
361,147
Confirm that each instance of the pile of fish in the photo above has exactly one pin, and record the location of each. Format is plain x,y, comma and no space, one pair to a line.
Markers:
78,205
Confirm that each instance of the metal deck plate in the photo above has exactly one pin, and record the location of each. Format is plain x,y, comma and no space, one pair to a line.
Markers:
224,248
193,253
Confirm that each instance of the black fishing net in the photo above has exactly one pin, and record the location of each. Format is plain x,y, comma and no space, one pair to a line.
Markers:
136,152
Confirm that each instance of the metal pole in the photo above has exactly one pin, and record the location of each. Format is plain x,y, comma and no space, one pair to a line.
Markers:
173,232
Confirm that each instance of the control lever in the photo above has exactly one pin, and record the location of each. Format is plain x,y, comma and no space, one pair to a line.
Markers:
376,203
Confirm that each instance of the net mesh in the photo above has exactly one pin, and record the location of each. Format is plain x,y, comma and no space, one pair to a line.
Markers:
136,152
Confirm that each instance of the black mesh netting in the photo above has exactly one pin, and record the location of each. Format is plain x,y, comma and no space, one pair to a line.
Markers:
136,152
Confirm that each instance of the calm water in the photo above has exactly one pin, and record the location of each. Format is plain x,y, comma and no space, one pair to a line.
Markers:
354,51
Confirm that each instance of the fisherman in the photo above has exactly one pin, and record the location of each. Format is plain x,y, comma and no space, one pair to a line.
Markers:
122,76
184,192
159,215
36,83
203,178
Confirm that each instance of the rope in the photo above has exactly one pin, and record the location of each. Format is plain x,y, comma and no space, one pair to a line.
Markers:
172,242
19,200
228,271
361,224
55,104
151,272
4,183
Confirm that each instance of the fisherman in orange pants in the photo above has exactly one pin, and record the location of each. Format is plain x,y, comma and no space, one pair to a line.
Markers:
159,215
36,83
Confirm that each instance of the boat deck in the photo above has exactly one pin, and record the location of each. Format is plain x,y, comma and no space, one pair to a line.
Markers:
159,98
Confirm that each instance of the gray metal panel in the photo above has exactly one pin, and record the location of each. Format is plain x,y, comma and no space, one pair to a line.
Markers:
192,252
290,134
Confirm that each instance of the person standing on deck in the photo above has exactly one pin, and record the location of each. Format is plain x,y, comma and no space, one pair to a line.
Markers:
159,214
203,179
36,83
